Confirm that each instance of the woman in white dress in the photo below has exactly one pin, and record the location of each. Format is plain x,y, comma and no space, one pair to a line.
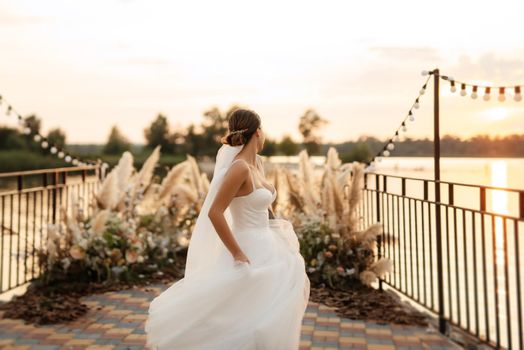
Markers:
245,285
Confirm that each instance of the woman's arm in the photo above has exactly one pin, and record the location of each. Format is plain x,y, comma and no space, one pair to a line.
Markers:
233,179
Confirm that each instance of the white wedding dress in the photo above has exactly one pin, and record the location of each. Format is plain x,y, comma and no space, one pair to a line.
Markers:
256,306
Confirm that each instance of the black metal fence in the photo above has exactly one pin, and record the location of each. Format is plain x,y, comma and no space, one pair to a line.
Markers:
457,257
29,201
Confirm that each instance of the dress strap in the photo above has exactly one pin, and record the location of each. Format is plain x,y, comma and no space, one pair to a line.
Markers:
250,173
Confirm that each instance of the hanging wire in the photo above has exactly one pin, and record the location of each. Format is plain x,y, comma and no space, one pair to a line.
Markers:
43,141
390,145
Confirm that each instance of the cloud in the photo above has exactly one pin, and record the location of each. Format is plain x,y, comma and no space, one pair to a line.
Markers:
492,67
407,52
11,19
142,61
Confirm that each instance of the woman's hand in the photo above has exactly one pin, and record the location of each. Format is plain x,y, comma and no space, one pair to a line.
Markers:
240,258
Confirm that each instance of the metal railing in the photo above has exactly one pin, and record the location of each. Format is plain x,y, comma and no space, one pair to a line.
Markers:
475,246
29,201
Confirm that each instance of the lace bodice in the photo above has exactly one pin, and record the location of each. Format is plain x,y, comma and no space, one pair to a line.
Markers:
251,210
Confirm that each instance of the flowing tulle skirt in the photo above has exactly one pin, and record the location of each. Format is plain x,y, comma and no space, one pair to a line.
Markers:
237,307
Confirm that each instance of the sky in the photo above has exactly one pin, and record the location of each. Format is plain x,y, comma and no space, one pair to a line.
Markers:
84,66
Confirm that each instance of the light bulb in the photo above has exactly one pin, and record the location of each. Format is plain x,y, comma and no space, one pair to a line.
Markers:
53,150
75,161
44,144
411,118
486,93
61,154
391,146
37,137
422,91
474,95
396,138
404,128
27,131
68,158
385,153
453,88
463,89
379,159
502,96
416,105
518,97
424,73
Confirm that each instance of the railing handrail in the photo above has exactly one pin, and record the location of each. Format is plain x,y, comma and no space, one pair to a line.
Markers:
48,171
488,187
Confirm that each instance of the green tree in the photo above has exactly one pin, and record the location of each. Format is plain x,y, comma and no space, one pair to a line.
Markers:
57,138
33,123
215,126
11,139
360,153
308,126
194,141
116,143
270,147
287,146
158,134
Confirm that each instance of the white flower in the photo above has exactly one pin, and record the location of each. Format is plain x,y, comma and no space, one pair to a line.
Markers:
65,263
83,243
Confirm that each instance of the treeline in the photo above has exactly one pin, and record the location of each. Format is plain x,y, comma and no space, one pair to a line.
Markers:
19,151
450,146
198,139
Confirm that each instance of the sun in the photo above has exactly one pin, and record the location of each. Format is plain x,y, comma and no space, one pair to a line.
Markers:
497,113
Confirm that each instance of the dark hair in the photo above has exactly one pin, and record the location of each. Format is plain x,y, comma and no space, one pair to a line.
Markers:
245,122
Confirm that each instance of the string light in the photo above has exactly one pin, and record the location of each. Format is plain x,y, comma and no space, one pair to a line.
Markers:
502,97
453,87
44,143
463,90
390,146
486,93
474,93
502,90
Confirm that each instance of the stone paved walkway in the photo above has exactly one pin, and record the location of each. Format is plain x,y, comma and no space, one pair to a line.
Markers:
116,321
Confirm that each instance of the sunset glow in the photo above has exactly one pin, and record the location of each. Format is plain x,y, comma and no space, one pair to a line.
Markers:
84,66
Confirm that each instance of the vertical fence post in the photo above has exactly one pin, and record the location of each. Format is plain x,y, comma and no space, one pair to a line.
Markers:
436,156
55,193
377,207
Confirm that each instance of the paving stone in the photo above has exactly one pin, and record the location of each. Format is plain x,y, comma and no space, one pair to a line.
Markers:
116,320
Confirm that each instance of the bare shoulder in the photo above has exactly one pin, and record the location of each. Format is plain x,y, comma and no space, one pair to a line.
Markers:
238,169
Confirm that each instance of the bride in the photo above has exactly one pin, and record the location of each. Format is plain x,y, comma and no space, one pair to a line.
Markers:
245,285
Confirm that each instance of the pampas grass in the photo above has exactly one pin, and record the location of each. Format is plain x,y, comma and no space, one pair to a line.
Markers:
328,203
98,222
107,195
367,277
143,177
382,267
